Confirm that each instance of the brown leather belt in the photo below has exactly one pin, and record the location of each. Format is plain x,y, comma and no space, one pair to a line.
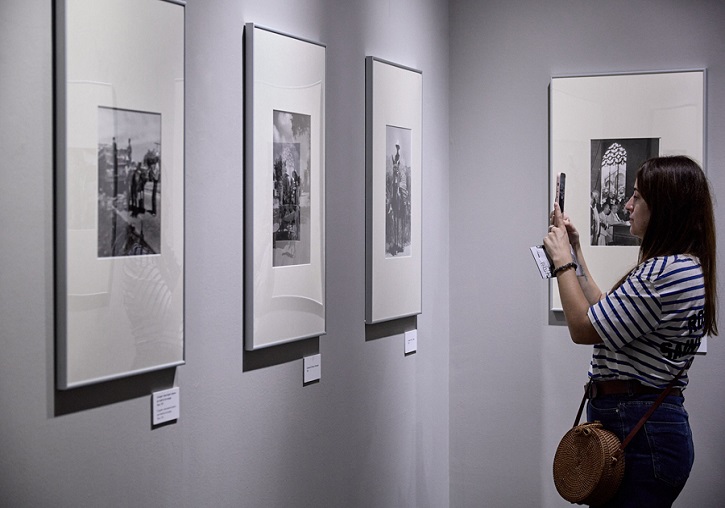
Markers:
626,387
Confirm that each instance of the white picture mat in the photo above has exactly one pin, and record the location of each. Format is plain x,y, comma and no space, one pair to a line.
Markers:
124,315
283,303
395,98
666,105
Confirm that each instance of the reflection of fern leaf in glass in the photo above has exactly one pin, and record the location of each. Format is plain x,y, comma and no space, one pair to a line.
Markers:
147,298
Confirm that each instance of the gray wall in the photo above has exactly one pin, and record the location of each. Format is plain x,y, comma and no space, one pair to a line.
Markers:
515,380
373,432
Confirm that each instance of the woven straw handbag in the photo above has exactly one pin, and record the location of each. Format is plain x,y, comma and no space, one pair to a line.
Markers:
589,461
588,465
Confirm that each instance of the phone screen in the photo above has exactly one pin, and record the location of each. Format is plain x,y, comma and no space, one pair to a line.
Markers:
560,190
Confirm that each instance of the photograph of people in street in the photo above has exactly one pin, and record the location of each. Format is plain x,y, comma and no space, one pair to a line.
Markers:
397,192
129,182
291,189
614,165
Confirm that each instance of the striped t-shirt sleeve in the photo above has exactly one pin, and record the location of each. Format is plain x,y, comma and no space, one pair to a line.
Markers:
652,324
631,311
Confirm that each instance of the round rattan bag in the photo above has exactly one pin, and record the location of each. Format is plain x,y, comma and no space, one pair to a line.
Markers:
588,465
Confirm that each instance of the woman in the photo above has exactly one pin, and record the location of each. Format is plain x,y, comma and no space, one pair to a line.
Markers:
648,327
605,233
594,217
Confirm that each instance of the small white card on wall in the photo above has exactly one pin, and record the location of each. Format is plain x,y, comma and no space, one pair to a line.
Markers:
165,406
703,345
411,341
313,368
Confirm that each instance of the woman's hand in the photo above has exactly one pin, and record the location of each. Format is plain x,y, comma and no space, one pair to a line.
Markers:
562,237
557,242
571,231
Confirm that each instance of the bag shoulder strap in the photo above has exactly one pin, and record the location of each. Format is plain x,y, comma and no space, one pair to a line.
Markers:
646,416
587,391
654,406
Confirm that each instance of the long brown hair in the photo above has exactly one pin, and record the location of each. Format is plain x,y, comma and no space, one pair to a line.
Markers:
681,221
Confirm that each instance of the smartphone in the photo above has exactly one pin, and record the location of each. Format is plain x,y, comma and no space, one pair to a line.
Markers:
560,188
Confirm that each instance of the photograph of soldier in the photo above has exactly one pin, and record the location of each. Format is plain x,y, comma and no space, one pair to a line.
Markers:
291,189
614,163
129,182
397,192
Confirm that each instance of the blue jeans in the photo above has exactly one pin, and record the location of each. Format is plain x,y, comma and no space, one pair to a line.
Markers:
659,458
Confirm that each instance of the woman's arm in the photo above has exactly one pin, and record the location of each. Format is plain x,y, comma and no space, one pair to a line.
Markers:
575,291
575,308
590,288
586,281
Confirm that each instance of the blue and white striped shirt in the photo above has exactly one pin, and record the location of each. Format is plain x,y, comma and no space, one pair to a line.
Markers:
652,324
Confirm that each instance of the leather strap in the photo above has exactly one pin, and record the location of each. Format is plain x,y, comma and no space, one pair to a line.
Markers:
652,409
646,416
587,387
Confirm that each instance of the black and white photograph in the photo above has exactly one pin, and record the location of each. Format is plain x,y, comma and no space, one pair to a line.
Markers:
397,192
602,128
291,189
393,171
119,124
129,182
284,188
613,171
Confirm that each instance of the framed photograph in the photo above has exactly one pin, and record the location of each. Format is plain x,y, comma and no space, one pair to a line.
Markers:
602,128
393,120
119,188
284,134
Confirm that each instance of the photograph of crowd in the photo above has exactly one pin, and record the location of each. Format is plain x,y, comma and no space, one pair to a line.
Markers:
129,182
291,189
613,172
